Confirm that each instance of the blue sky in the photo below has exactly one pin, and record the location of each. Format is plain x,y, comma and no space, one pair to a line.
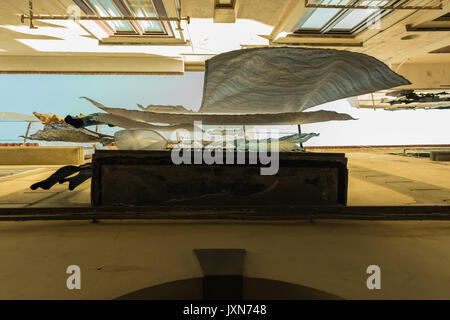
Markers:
60,94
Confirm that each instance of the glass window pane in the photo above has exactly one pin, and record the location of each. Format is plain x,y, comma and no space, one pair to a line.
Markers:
106,8
319,17
335,2
374,3
145,8
355,17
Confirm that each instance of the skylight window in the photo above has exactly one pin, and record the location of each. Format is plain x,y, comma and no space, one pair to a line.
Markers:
340,20
145,8
106,8
319,17
124,8
354,18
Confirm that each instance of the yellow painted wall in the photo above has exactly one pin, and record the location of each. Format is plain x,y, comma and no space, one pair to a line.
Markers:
41,155
117,258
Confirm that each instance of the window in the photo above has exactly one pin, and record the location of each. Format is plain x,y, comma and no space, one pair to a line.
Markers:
441,23
445,17
442,50
145,8
136,8
225,11
340,20
225,4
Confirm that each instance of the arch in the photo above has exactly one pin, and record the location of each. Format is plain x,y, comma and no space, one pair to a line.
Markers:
253,289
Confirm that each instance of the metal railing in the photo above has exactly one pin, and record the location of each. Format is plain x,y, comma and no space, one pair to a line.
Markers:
374,4
31,17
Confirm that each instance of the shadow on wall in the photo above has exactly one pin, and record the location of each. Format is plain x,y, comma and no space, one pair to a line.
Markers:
253,289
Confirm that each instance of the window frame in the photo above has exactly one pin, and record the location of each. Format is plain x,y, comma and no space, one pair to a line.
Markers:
326,29
441,23
444,17
87,7
219,5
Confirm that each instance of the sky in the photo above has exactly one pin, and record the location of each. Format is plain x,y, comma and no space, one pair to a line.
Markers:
60,94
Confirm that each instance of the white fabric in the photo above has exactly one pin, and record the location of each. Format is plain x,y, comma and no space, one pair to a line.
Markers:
225,119
139,140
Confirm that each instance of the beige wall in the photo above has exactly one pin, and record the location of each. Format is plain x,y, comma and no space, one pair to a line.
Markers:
425,75
121,257
90,64
57,47
41,155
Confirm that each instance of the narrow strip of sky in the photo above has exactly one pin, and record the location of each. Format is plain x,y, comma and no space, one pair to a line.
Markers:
60,94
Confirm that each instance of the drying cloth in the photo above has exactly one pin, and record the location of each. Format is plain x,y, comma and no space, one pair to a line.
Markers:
67,133
225,119
287,79
60,174
82,176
